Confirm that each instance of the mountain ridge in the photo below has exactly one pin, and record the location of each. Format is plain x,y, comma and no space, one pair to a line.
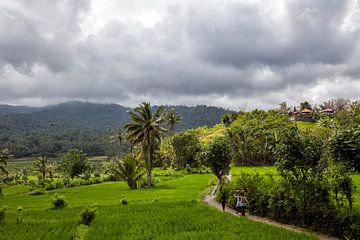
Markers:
84,125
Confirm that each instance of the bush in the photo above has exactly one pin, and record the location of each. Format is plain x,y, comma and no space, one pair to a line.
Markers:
257,192
124,201
3,211
88,215
58,185
58,201
49,186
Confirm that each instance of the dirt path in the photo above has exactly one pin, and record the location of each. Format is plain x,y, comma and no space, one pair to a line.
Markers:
210,199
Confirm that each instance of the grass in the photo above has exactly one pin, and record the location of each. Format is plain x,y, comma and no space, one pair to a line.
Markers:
236,171
171,210
27,162
206,134
305,125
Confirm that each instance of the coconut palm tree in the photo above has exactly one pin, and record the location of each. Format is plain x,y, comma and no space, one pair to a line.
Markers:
146,129
283,107
117,138
4,157
172,119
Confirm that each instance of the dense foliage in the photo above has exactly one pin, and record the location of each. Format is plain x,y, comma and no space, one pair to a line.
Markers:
187,148
252,136
345,147
313,190
219,157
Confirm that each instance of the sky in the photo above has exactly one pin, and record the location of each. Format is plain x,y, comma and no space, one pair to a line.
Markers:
233,54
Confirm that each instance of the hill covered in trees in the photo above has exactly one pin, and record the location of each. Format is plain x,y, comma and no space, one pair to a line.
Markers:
57,128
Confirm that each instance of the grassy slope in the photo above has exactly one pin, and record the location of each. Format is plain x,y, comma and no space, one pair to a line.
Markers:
170,211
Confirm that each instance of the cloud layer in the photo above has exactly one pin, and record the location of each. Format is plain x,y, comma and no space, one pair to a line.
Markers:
224,53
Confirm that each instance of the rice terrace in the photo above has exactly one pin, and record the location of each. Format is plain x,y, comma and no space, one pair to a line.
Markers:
177,119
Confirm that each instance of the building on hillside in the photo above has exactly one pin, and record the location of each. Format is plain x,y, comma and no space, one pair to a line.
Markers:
328,112
305,115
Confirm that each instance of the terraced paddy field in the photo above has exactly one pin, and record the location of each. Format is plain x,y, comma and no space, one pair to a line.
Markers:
171,210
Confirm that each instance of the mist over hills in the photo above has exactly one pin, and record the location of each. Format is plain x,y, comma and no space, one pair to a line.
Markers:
57,128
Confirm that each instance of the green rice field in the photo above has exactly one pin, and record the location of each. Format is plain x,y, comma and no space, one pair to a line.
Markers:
171,210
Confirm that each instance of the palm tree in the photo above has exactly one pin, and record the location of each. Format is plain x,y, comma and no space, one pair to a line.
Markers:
172,119
40,166
146,129
51,169
283,107
128,170
117,138
4,156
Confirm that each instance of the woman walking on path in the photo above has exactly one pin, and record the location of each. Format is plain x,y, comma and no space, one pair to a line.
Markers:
241,202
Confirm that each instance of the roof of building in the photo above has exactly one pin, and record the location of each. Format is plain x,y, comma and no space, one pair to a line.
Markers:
306,111
327,110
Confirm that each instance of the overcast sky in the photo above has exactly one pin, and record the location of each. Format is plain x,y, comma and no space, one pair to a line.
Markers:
225,53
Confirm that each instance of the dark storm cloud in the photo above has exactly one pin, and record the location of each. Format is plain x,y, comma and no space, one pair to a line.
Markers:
221,53
238,35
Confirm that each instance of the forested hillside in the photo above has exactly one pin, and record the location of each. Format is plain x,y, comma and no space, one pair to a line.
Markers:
55,129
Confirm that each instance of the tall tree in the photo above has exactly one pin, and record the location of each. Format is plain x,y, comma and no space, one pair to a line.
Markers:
117,138
146,129
172,119
40,166
283,107
4,157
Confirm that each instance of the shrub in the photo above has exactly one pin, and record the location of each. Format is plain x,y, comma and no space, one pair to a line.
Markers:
127,169
59,185
3,211
58,201
88,215
257,192
124,201
49,186
345,147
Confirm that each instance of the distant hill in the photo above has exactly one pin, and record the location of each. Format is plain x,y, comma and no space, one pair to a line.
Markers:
8,109
57,128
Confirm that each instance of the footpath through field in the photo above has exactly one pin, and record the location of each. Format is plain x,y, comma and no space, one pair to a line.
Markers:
210,199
